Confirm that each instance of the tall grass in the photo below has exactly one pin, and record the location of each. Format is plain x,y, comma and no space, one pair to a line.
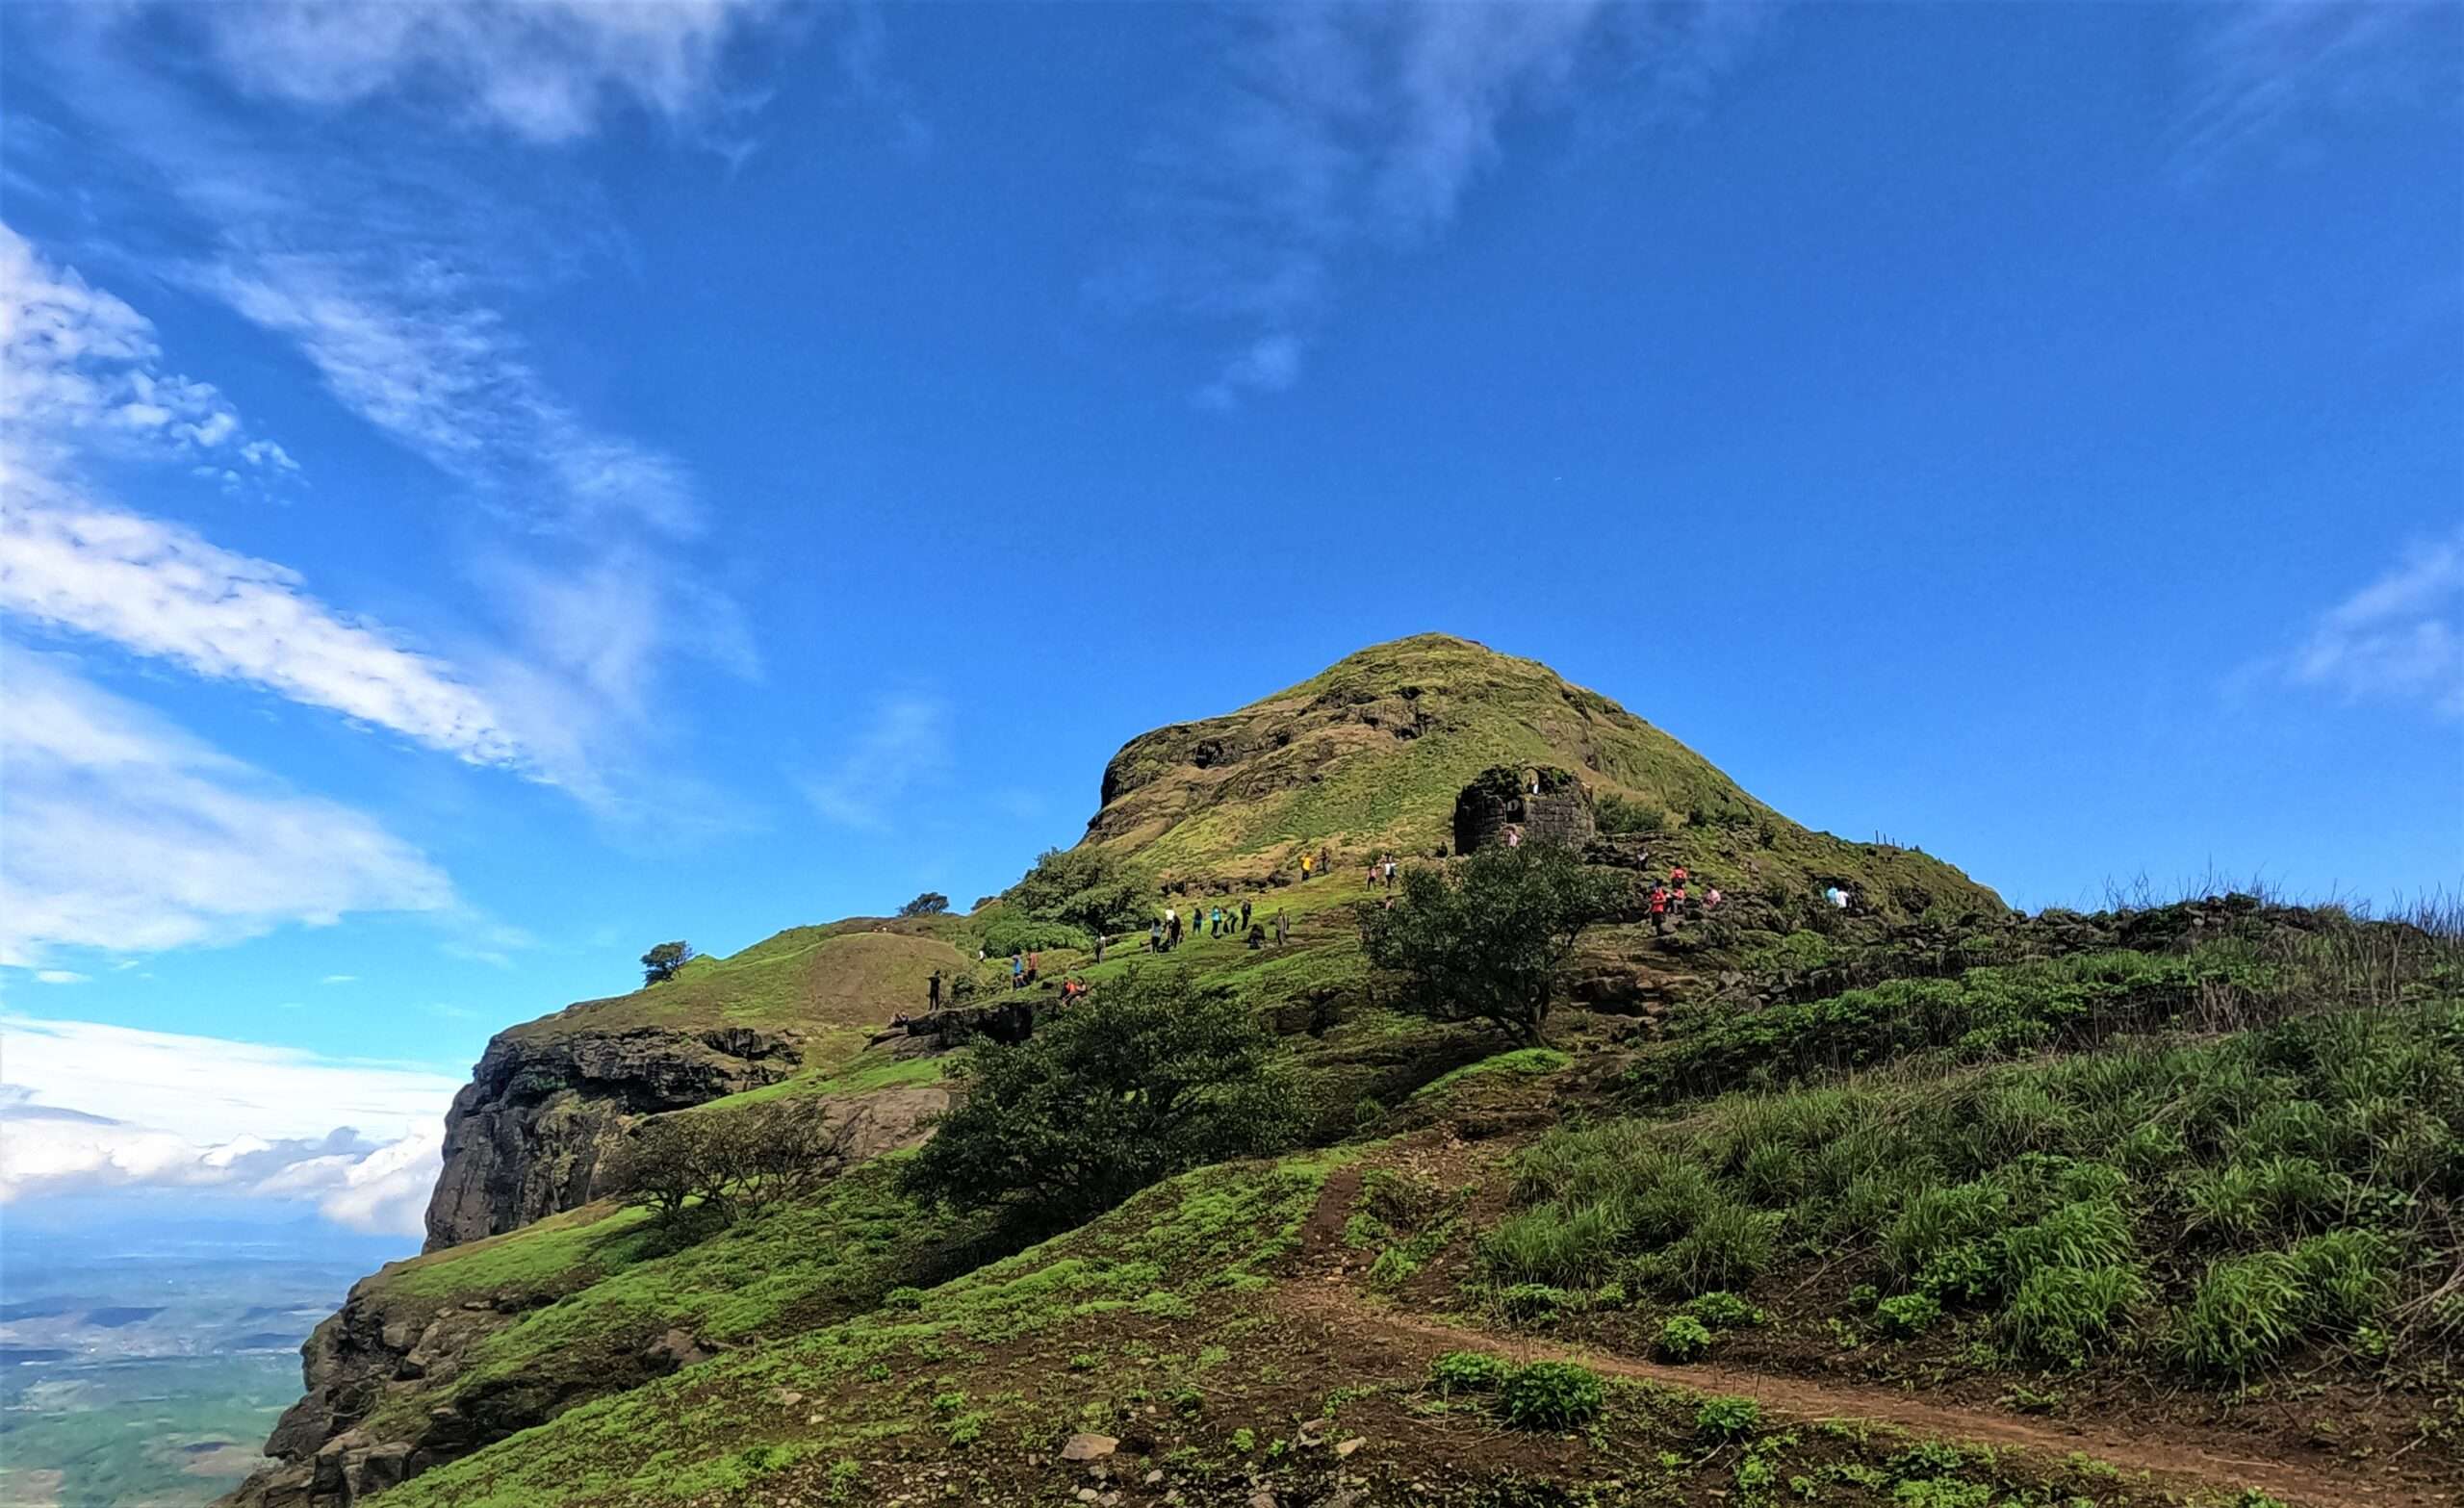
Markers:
2239,1196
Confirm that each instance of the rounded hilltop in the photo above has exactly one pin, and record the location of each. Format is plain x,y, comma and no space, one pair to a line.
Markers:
1370,755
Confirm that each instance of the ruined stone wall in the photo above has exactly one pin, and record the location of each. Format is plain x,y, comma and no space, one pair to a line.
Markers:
1559,812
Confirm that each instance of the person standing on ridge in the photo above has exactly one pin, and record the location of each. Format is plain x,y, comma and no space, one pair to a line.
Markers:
933,992
1155,935
1017,971
1244,913
1659,908
1282,928
1099,947
1304,869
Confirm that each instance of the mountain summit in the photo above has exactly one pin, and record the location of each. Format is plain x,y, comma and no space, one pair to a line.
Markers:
1370,754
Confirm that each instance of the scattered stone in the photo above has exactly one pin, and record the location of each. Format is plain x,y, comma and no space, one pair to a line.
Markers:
1085,1495
1089,1447
788,1397
1153,1478
675,1350
1263,1499
1348,1446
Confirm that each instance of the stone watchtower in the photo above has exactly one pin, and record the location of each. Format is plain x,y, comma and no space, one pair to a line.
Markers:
1547,804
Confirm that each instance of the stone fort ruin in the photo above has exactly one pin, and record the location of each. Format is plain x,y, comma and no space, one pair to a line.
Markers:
1550,805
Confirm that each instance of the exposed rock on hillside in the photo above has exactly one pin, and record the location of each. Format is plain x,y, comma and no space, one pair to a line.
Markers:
528,1134
525,1137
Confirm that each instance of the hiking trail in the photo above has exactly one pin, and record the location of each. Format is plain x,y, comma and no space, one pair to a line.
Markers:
2171,1456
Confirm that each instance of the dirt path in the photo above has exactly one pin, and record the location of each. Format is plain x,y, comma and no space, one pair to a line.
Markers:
2175,1458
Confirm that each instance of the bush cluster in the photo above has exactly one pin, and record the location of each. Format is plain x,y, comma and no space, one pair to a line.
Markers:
1980,1015
1146,1077
720,1164
1551,1396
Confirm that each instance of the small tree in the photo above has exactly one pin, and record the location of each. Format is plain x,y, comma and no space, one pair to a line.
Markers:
721,1165
1145,1077
1482,941
662,961
932,903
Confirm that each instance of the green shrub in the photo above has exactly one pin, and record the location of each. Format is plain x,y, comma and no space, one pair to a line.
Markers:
1675,1199
2087,1234
1483,940
1728,1248
1984,1013
1146,1077
1532,1301
1726,1419
1682,1338
902,1297
1551,1245
1551,1396
1007,933
2243,1312
1907,1314
2344,1274
2061,1314
1469,1372
1941,1219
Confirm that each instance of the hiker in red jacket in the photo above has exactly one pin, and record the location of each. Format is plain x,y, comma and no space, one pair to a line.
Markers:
1660,908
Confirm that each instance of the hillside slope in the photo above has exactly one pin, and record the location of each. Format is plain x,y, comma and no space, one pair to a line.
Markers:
1368,756
527,1135
1994,1274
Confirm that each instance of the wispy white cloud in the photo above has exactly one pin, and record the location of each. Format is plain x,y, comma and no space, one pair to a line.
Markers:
339,978
410,348
1346,129
125,833
81,365
2400,639
155,588
89,1106
61,977
545,70
905,743
2270,70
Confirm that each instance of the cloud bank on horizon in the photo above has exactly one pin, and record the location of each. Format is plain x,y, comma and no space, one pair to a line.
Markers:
359,1142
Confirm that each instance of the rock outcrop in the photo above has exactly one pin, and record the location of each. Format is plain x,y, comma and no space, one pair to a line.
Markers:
528,1134
374,1348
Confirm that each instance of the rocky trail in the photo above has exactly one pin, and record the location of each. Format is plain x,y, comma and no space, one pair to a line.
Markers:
2187,1461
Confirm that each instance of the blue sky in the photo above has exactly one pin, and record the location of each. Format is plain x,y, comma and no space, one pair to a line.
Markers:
492,488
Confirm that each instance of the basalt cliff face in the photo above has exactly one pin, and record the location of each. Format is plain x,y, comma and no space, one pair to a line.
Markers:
529,1136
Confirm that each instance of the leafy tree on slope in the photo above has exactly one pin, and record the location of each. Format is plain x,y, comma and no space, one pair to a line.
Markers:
1145,1078
1483,940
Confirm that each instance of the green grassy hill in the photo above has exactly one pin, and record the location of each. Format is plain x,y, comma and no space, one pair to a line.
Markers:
2171,1223
1369,754
1928,1205
843,978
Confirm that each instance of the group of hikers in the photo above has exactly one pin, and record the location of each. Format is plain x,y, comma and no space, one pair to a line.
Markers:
1671,898
1221,919
1670,902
